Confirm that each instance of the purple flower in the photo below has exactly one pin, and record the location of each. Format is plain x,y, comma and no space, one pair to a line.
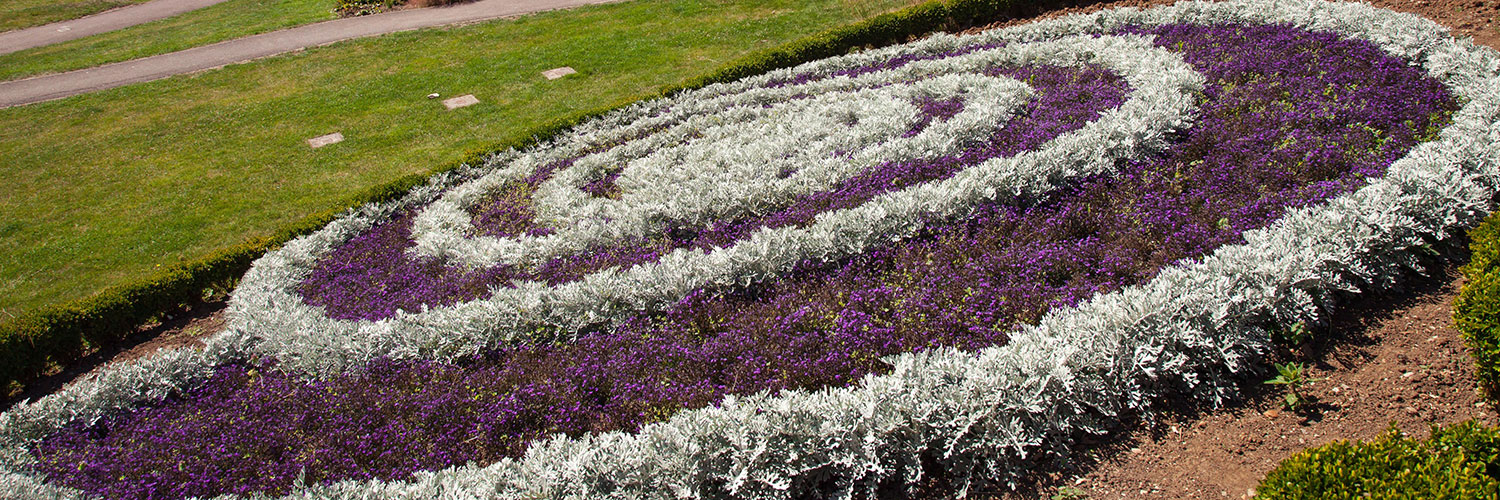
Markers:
1289,121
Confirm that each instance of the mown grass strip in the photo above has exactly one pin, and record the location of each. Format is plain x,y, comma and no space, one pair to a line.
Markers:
188,168
107,187
18,14
225,21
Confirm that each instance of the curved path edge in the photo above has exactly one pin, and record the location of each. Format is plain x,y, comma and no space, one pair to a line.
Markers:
103,22
60,85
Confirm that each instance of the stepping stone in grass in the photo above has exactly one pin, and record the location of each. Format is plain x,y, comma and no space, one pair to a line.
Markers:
324,140
461,101
555,73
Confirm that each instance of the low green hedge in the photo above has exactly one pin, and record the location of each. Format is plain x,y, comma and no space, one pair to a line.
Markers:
30,344
1476,311
1458,462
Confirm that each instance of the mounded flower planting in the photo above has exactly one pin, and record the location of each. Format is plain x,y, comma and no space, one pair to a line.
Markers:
954,254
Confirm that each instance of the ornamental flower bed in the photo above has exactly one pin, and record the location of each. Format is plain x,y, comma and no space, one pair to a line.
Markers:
953,254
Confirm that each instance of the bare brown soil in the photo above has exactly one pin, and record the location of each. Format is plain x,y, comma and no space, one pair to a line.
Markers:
1391,361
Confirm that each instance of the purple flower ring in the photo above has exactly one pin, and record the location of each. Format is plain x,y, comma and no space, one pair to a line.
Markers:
715,155
874,268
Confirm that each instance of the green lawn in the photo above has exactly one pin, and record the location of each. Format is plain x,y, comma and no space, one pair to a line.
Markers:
228,20
17,14
102,188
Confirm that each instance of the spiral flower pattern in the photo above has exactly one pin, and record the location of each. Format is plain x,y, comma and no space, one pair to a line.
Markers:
983,247
710,158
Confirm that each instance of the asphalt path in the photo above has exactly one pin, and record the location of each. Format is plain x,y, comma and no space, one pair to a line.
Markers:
60,85
109,20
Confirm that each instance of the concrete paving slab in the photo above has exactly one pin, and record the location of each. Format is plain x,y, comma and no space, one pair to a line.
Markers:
324,140
461,101
555,73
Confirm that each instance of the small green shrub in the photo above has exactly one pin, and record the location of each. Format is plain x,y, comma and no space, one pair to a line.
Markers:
1476,311
1293,336
362,7
1457,462
1294,377
1070,493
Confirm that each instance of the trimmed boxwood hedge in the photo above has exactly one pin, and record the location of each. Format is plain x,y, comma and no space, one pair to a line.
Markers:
1460,461
1476,311
61,333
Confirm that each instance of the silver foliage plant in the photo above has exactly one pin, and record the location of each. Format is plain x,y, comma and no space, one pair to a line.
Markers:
739,144
268,305
975,414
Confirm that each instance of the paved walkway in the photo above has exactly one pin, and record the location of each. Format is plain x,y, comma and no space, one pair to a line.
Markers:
57,86
109,20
